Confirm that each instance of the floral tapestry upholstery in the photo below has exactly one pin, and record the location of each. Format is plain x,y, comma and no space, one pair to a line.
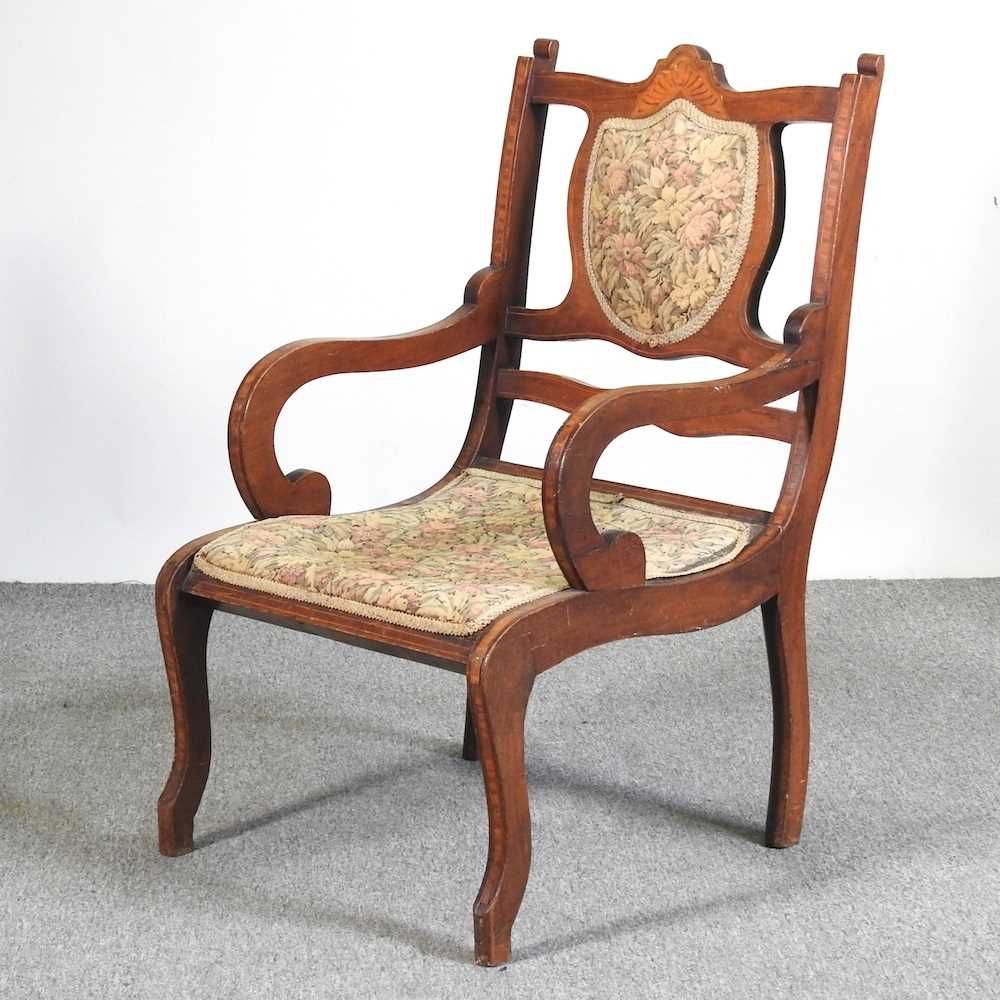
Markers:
668,209
454,561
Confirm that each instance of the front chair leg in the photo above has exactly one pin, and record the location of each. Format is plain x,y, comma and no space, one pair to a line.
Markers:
183,622
498,695
785,635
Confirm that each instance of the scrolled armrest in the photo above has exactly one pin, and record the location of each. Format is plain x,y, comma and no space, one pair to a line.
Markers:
589,559
269,492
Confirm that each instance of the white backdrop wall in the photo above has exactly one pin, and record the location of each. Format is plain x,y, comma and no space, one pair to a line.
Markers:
190,184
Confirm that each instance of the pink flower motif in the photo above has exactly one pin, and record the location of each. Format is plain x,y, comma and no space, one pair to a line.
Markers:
684,173
291,576
616,177
626,254
654,292
475,549
660,147
602,229
700,226
723,186
396,565
439,524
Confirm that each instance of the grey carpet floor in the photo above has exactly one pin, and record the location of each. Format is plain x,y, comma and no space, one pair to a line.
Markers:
342,838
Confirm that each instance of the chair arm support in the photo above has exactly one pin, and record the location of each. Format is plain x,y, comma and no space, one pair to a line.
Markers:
265,489
589,559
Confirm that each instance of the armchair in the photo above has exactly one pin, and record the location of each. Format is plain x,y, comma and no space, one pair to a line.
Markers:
675,213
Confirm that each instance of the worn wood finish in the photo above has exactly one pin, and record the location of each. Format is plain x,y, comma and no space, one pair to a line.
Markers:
589,560
697,504
265,489
183,623
785,637
470,746
608,597
500,679
568,394
684,72
448,652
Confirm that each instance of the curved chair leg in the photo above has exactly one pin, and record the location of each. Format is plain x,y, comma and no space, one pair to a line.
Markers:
498,693
470,749
183,623
785,635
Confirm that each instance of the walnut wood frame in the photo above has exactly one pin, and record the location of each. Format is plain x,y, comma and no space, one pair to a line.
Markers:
609,597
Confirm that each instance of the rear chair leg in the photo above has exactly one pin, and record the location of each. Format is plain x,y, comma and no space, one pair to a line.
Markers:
784,633
498,694
183,621
470,749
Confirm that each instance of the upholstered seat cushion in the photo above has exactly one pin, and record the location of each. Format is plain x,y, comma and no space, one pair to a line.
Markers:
454,561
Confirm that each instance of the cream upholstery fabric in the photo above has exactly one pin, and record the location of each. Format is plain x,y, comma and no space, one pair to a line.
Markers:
668,209
454,561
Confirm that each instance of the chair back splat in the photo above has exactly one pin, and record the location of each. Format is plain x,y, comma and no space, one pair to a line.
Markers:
675,212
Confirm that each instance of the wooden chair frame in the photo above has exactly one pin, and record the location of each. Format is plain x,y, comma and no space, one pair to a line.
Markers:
609,597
